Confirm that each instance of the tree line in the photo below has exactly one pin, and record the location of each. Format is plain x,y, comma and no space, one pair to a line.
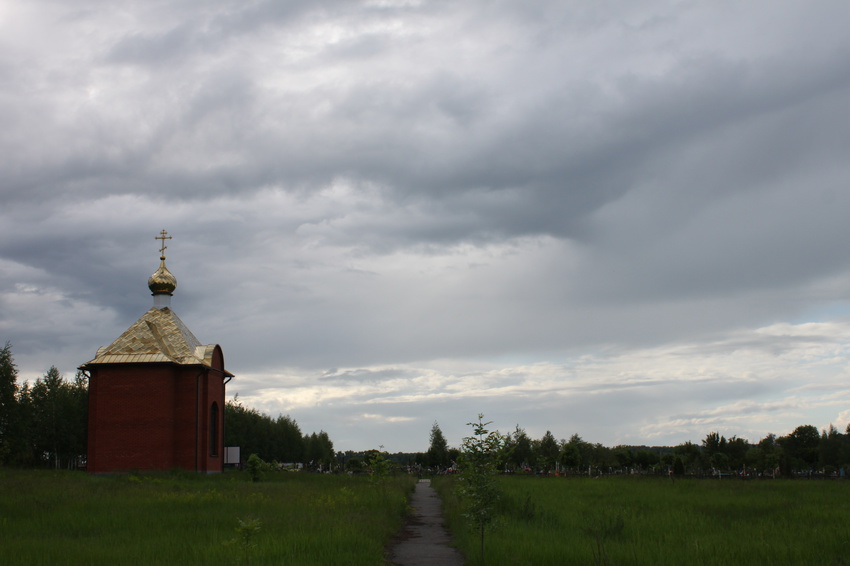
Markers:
803,451
45,424
274,440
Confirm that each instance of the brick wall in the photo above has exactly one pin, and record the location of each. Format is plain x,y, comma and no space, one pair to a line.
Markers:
153,417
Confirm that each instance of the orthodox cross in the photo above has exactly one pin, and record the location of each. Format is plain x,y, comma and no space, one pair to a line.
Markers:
162,236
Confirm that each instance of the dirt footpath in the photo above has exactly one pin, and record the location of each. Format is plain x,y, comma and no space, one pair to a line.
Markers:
424,541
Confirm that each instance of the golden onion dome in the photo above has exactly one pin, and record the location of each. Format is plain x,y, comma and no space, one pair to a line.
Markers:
162,282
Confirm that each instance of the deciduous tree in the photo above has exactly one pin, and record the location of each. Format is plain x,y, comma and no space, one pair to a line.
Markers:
575,453
319,449
689,454
438,451
801,446
546,452
519,453
478,482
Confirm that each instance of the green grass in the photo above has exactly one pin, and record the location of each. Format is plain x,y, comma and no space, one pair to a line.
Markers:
634,521
145,519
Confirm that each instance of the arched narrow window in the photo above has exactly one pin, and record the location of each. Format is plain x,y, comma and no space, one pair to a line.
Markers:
214,430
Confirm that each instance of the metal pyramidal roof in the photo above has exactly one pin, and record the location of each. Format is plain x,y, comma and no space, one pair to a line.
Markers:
158,336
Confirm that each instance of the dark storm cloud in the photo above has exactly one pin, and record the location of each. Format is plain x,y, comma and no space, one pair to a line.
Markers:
565,152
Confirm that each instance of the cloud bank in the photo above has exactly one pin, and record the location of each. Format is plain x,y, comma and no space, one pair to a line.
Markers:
622,219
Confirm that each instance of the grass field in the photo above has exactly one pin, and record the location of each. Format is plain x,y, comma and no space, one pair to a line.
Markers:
637,521
310,519
144,519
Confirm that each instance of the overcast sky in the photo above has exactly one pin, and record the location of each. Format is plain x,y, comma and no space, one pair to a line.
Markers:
626,220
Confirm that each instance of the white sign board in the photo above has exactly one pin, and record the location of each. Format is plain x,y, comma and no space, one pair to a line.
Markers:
231,454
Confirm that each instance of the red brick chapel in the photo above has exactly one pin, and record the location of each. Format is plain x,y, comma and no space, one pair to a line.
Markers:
156,394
